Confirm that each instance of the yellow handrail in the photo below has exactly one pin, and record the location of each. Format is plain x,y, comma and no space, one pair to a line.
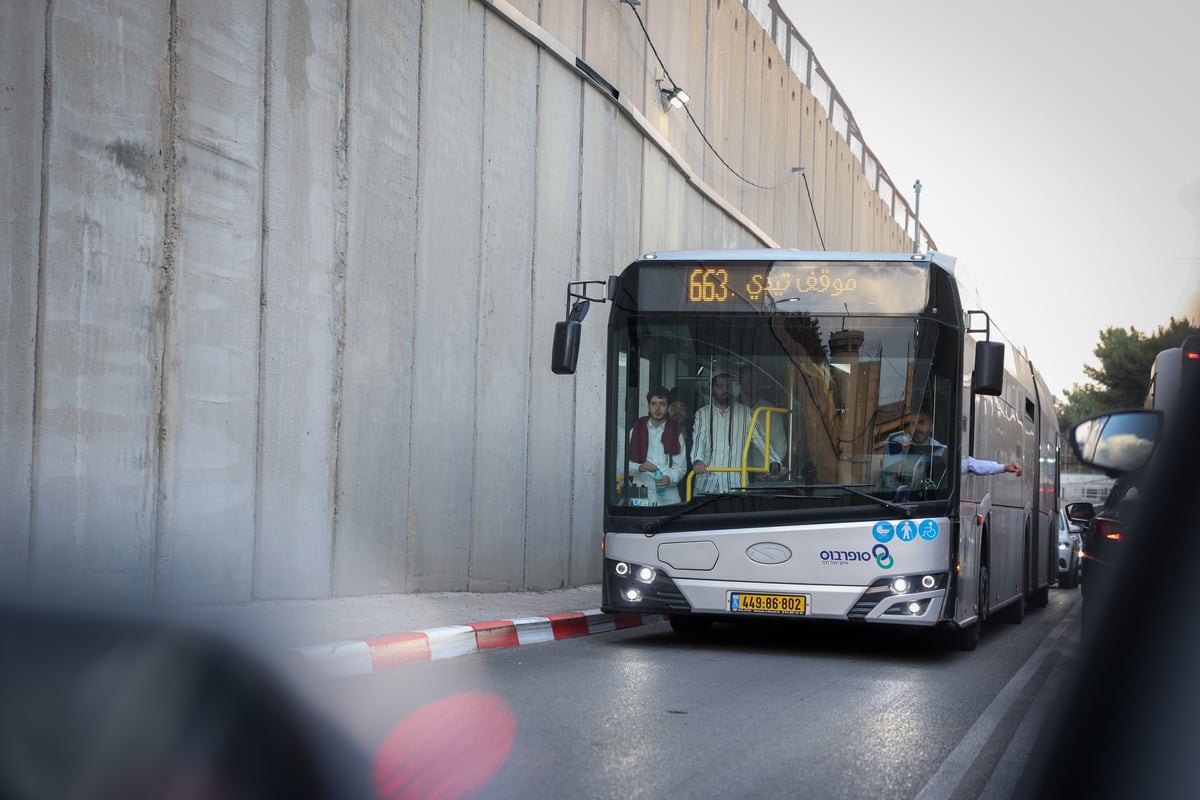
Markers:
744,468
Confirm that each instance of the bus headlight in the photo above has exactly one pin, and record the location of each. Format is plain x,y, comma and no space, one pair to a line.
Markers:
621,568
645,574
633,595
903,584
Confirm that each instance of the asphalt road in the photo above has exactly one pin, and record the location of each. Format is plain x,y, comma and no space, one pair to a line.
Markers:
763,710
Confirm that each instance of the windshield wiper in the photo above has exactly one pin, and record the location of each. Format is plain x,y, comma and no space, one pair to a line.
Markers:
657,525
775,492
906,510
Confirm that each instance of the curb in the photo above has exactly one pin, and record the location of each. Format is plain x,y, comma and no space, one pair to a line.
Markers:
379,653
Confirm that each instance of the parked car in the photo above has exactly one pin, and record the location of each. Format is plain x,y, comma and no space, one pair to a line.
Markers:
1070,552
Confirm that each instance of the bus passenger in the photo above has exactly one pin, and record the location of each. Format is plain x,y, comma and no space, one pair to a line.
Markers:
751,393
679,413
656,447
719,438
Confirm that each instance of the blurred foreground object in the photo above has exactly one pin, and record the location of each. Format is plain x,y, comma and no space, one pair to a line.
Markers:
1132,721
101,705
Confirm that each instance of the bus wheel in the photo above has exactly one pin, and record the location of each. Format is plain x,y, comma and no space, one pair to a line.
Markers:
690,624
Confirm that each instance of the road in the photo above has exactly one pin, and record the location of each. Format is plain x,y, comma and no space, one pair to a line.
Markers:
765,710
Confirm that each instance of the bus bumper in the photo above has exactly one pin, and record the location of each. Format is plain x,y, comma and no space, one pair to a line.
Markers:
632,588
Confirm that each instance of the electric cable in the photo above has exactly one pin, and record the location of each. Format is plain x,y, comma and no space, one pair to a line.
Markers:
696,125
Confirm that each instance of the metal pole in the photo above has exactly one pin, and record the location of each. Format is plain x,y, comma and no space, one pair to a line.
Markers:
917,221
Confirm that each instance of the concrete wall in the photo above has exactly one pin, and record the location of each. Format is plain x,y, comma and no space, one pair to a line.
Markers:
281,275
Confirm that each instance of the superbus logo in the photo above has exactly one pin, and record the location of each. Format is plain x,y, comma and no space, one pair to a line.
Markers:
879,554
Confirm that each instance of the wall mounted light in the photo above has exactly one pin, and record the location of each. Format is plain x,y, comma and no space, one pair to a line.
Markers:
673,97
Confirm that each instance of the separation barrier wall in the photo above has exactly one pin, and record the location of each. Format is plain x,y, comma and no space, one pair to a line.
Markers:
282,275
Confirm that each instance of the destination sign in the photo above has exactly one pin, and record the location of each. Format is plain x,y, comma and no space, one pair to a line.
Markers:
863,287
712,284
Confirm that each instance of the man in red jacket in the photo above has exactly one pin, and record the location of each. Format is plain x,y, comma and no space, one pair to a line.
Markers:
656,448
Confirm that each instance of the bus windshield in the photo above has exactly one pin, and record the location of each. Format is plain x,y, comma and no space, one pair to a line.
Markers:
782,409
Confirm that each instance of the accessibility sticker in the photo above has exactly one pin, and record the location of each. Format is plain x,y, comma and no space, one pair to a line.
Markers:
883,531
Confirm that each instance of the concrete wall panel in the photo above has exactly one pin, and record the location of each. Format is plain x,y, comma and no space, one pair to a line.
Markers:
615,47
819,178
811,142
23,63
670,28
97,419
210,373
751,161
657,222
552,450
447,296
841,194
505,309
529,8
609,218
371,535
724,99
793,205
564,21
303,271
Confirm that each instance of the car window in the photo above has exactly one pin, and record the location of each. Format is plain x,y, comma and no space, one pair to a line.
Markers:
1121,490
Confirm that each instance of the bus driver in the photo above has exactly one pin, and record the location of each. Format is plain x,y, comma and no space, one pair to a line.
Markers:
921,442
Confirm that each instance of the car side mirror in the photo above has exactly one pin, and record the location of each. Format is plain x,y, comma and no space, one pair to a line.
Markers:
1117,442
1081,513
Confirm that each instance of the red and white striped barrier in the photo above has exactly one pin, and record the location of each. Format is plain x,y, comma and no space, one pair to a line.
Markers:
361,656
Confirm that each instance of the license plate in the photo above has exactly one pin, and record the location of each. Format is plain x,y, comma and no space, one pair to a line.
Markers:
769,603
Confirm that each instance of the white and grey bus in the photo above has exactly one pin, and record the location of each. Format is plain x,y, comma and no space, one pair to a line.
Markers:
820,505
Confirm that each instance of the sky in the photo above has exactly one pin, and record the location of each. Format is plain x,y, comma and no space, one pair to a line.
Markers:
1057,143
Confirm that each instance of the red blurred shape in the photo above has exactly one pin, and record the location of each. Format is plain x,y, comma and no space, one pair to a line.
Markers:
449,748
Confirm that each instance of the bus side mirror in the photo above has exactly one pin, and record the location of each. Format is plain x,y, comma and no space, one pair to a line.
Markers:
989,368
564,355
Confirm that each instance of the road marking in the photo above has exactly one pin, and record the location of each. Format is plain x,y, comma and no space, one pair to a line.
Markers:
950,774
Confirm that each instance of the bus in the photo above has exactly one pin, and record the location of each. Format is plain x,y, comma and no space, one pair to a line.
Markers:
822,507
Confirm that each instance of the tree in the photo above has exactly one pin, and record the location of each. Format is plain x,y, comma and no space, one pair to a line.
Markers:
1123,377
